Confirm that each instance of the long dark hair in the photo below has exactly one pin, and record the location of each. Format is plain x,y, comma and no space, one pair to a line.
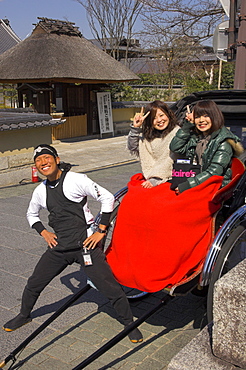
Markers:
211,109
149,132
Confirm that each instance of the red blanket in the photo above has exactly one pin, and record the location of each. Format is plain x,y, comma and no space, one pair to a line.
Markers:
160,237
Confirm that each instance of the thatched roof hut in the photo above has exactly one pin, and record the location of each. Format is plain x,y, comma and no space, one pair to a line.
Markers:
57,52
56,69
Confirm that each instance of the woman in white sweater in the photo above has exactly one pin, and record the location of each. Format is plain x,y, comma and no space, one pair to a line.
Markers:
149,138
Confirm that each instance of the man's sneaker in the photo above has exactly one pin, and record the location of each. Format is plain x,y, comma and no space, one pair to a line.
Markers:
16,322
135,336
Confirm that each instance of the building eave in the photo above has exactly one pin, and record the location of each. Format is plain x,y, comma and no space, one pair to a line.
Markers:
65,80
11,120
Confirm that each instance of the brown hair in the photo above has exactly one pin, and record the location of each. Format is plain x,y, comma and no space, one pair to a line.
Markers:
149,132
211,109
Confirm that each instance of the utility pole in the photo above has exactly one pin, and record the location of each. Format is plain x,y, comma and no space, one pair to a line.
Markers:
240,68
231,50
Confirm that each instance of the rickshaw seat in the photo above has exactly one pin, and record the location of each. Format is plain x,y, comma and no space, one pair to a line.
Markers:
192,276
220,196
226,192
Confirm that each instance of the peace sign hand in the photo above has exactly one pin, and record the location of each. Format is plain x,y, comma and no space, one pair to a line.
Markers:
189,117
139,118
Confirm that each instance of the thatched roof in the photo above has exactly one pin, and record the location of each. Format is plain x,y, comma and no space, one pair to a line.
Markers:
57,52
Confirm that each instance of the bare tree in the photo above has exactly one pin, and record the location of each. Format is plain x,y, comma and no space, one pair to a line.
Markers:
112,21
171,54
174,29
192,18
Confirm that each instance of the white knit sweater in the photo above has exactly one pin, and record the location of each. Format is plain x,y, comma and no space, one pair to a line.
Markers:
155,156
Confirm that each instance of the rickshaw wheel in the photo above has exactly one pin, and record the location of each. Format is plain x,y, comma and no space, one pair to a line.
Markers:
232,252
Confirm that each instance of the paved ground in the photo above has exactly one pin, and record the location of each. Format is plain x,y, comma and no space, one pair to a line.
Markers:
90,322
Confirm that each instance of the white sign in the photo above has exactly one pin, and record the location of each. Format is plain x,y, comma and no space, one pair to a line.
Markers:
226,6
220,40
105,112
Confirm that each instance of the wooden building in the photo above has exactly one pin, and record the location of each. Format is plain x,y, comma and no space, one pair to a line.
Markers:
58,71
8,37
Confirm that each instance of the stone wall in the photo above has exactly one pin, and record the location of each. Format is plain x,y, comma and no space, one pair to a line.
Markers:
16,151
229,330
15,168
222,345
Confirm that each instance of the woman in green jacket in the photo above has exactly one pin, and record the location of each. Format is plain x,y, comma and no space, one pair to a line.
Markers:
205,140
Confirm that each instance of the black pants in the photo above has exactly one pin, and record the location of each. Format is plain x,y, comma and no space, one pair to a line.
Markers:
53,262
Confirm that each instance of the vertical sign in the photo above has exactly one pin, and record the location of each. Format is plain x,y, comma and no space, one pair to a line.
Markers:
105,112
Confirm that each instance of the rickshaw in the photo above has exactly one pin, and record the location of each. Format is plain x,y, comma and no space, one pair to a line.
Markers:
226,250
228,245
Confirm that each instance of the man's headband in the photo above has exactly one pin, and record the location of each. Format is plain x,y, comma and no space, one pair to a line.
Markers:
44,149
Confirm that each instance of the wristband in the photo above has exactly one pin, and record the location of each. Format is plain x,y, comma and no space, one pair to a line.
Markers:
102,231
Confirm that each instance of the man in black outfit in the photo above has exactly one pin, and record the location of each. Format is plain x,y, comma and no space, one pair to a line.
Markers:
64,195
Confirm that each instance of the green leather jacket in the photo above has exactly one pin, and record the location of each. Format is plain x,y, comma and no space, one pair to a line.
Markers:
216,158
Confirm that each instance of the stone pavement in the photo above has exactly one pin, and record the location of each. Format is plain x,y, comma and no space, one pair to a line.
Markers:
90,322
165,334
91,154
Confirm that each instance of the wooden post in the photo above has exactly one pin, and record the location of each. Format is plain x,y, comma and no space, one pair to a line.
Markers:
240,69
220,72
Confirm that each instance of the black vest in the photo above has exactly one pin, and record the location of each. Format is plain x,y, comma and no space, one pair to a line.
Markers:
66,217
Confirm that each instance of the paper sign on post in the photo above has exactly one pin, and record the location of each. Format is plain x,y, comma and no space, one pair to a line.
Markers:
105,112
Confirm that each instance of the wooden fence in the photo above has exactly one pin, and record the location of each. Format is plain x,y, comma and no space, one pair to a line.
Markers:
73,127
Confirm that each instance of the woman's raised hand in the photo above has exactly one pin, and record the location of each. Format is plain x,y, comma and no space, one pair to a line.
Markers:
189,117
139,118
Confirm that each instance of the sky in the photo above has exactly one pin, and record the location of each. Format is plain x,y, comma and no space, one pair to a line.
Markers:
23,13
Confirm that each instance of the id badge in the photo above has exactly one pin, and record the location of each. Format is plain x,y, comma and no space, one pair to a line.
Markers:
87,257
183,161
